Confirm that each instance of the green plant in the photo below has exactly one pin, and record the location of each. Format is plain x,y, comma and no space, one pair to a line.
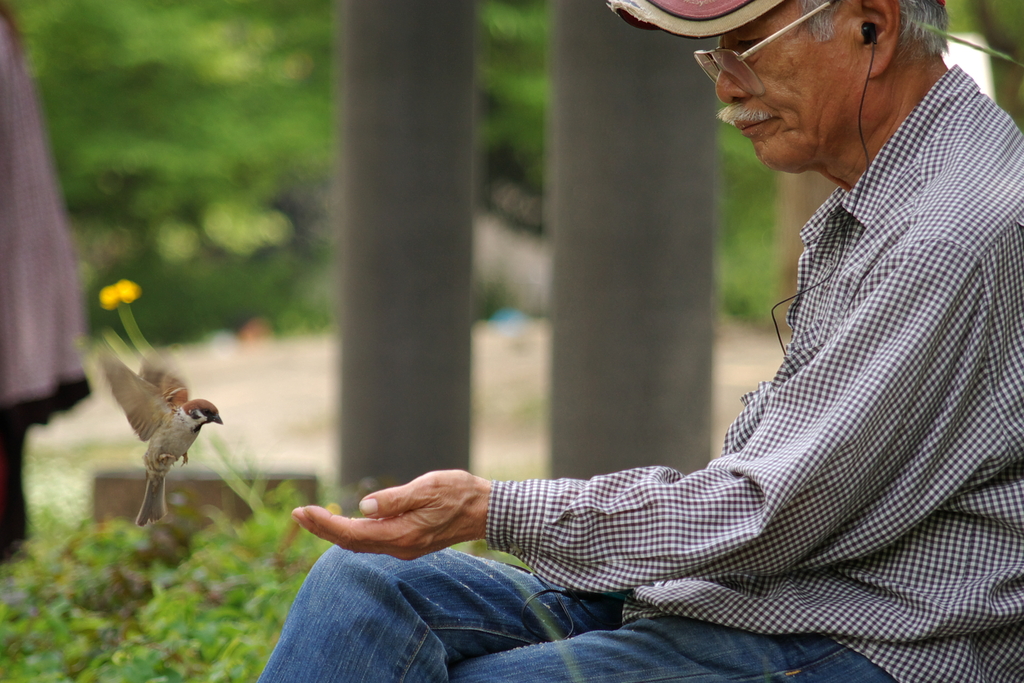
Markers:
187,302
170,602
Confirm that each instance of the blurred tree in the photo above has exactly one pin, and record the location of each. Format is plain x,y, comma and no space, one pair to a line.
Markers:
187,134
178,122
1002,24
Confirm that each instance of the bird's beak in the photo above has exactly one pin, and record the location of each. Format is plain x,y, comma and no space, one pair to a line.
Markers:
216,418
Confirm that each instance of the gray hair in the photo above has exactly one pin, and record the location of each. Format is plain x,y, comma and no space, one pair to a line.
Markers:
916,41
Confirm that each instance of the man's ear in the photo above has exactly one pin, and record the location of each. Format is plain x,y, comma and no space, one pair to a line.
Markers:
875,25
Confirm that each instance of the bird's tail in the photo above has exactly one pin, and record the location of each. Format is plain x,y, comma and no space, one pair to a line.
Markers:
153,505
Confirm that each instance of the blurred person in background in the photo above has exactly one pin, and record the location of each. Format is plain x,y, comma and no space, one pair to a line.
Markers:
41,310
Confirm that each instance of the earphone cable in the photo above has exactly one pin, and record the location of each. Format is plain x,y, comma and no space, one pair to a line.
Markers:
819,283
860,112
559,594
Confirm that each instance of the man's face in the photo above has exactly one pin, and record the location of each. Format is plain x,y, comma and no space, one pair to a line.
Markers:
810,99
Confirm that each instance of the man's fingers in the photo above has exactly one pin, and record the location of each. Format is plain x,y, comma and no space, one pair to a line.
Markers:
360,535
368,506
299,515
381,504
321,522
396,500
387,503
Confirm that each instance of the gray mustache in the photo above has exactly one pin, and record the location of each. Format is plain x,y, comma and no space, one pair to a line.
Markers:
736,112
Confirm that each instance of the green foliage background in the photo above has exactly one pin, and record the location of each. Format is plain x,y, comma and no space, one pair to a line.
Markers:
181,601
173,602
194,144
513,74
193,141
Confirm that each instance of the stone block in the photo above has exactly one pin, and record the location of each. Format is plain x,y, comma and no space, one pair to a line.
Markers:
119,493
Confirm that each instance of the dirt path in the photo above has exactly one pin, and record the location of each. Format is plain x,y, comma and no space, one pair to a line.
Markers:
277,398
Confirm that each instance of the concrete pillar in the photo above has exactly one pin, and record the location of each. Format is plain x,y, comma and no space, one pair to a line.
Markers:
405,235
632,171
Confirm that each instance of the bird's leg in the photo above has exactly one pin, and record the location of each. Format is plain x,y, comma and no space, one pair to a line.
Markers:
159,463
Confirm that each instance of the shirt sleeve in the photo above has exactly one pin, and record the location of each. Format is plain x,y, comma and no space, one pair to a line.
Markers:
854,448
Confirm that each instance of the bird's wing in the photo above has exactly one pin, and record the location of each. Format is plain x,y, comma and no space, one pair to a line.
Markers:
158,372
140,400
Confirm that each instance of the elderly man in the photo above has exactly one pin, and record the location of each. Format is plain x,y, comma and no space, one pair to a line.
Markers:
865,521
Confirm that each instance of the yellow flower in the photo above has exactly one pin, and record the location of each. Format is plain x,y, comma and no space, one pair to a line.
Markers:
128,291
109,298
124,292
333,508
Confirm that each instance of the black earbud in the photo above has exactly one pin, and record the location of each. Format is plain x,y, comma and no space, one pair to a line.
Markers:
867,29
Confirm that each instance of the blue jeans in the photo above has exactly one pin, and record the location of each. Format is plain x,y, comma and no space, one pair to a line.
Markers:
454,617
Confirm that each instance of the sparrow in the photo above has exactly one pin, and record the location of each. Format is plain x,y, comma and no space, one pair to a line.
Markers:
158,409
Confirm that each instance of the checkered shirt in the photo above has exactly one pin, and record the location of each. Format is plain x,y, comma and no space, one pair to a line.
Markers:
873,491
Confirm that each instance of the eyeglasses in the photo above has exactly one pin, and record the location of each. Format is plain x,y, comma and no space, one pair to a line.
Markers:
714,62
